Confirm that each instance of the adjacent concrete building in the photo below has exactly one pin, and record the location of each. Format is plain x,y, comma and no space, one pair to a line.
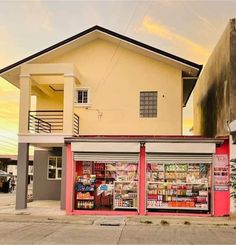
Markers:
215,90
215,93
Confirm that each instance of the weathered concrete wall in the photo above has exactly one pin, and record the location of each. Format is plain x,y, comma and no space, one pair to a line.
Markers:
213,91
44,189
232,90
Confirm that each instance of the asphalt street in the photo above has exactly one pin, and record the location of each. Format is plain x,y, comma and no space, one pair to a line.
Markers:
57,233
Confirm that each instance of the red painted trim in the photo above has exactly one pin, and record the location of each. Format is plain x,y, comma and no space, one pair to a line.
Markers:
148,136
142,181
100,212
69,180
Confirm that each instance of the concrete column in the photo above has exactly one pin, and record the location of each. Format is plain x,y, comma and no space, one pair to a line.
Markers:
22,175
69,180
63,179
142,180
68,112
25,93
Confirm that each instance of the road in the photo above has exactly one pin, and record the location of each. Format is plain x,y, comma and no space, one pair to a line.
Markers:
58,233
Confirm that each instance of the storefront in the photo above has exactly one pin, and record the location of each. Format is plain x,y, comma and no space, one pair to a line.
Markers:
145,178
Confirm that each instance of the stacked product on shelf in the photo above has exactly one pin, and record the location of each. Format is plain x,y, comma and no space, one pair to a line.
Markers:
126,171
105,171
85,185
125,195
99,170
110,171
155,172
126,186
183,187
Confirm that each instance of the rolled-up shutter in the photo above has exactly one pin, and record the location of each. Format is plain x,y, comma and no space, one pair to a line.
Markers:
101,156
179,158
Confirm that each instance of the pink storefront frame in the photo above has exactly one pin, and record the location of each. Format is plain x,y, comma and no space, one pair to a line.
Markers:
70,170
216,210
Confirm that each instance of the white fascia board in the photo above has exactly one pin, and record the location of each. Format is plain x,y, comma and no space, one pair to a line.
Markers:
180,147
105,147
42,138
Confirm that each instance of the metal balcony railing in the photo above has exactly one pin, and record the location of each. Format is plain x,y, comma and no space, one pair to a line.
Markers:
49,121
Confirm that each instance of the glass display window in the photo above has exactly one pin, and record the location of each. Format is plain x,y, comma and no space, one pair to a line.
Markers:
106,185
178,186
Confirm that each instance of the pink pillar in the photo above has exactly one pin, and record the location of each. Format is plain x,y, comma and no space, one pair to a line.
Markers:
222,198
142,180
69,180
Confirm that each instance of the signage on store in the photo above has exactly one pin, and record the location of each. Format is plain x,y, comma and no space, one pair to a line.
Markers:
221,172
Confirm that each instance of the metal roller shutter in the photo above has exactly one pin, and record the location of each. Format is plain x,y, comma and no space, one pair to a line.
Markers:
179,158
100,156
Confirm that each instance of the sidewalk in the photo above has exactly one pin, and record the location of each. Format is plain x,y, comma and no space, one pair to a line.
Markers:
50,212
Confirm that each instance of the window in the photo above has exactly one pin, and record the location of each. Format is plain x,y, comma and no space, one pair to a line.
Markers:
54,168
148,104
82,96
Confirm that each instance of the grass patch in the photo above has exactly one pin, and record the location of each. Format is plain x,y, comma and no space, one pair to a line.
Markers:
187,222
222,225
164,222
146,222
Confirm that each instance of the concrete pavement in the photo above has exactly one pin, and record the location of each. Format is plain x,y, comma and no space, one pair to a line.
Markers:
49,212
43,223
48,234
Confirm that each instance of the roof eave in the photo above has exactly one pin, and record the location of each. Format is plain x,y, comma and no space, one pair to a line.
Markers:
114,34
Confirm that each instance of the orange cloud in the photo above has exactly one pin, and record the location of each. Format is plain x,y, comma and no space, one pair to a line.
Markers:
165,33
9,110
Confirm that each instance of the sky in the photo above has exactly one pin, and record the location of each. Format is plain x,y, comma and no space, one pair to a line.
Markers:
189,29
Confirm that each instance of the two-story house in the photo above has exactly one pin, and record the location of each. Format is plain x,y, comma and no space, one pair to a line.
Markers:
107,128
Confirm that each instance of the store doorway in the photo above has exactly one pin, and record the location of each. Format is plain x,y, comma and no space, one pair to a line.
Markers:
106,185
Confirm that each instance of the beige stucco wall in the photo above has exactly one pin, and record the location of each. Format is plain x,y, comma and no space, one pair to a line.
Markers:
115,76
45,102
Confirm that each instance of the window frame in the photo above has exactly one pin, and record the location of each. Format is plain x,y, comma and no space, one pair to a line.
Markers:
56,167
147,114
77,95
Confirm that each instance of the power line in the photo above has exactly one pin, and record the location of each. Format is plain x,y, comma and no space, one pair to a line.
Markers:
108,71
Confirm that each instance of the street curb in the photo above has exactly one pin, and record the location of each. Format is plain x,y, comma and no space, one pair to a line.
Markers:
128,221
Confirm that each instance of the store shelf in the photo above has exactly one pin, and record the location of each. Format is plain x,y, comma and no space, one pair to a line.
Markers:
118,207
105,178
85,199
126,181
179,208
127,198
175,183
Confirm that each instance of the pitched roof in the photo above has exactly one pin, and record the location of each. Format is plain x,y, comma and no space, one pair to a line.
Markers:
112,33
189,69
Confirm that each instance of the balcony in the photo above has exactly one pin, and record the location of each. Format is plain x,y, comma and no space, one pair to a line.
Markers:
49,121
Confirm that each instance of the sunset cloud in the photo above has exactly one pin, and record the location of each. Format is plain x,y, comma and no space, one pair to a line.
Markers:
9,110
190,48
